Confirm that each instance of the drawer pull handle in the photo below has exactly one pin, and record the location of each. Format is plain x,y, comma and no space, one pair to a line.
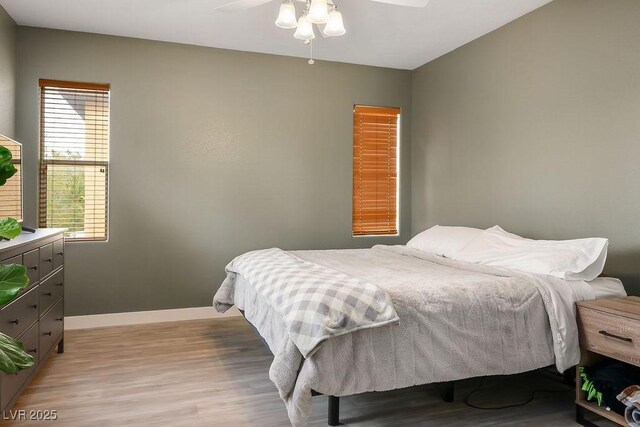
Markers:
34,268
15,322
47,294
47,333
33,350
34,306
49,259
59,284
60,253
618,337
59,319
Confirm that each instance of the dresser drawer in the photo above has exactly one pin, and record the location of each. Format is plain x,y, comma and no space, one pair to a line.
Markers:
13,260
30,260
51,290
45,264
51,325
614,336
19,314
11,384
58,253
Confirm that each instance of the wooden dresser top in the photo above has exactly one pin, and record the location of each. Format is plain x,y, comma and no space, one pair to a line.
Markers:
626,307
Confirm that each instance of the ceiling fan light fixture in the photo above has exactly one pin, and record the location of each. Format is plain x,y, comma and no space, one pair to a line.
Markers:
305,29
335,25
287,16
319,12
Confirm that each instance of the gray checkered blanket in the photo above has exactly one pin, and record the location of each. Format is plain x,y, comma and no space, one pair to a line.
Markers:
316,302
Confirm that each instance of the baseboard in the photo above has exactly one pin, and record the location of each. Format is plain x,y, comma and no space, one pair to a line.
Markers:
141,317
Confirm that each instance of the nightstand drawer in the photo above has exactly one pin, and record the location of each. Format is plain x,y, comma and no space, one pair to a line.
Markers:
614,336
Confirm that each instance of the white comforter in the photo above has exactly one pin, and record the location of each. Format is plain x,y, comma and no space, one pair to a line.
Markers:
457,320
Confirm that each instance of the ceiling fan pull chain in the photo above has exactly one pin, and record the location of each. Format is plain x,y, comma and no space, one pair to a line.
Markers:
311,61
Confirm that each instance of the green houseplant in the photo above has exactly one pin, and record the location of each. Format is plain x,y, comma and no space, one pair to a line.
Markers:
13,278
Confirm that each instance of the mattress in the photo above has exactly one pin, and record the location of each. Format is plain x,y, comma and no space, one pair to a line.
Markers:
457,320
607,287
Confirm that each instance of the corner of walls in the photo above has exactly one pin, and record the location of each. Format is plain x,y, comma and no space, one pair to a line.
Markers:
8,29
534,127
419,123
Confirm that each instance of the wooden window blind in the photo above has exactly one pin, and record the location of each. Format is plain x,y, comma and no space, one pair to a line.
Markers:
74,158
11,191
375,170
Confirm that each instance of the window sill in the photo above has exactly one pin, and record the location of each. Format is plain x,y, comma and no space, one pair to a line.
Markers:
375,235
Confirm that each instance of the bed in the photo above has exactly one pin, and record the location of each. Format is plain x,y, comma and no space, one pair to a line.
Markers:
454,320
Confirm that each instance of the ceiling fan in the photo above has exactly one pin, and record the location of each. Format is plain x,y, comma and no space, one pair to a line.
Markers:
319,12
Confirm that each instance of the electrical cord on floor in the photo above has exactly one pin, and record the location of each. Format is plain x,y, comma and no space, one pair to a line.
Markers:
515,405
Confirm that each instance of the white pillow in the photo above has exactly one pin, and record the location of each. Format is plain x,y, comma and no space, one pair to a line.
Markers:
443,241
580,259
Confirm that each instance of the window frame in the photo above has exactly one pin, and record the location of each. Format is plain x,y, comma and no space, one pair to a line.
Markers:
43,162
398,169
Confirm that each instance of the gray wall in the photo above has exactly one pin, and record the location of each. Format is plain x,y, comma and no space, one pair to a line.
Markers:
213,153
8,30
536,127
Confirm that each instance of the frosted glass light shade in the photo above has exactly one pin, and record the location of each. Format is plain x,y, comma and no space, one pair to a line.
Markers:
287,16
318,12
335,25
305,29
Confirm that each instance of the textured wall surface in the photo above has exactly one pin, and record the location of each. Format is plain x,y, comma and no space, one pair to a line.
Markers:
8,31
213,153
536,127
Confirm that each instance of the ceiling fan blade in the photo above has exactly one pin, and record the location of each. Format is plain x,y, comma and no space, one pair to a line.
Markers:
235,5
410,3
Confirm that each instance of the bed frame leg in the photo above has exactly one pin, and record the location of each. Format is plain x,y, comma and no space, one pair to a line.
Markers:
569,376
446,390
334,411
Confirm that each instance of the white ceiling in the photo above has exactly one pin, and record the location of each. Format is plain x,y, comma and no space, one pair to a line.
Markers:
377,34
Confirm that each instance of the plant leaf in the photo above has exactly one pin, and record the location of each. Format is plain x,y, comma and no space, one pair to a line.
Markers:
7,170
13,358
9,228
13,278
5,154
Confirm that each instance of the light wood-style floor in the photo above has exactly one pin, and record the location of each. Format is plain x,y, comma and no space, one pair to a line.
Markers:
215,373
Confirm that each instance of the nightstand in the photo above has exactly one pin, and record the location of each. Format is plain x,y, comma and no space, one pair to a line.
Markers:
609,328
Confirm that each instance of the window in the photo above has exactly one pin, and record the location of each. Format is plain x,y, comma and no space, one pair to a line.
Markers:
74,158
375,170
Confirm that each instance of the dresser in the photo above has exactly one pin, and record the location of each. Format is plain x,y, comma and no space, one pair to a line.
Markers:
36,316
609,328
